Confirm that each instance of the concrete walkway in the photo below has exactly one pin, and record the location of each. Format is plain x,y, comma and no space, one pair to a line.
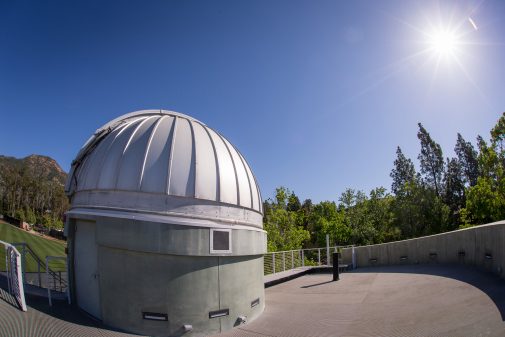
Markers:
429,300
422,300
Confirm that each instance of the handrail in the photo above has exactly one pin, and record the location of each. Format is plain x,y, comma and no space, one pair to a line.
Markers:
49,258
55,275
275,262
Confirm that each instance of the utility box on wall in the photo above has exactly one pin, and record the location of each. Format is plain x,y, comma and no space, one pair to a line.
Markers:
165,229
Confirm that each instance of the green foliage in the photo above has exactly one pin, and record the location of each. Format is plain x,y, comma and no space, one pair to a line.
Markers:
485,201
58,224
498,133
467,159
454,191
431,160
326,219
283,230
20,214
403,171
293,203
31,218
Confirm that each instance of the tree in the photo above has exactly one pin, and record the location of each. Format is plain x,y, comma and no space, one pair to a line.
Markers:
454,190
379,211
327,219
467,159
293,203
283,231
419,211
431,160
498,134
353,204
485,202
488,160
403,171
304,213
281,196
31,218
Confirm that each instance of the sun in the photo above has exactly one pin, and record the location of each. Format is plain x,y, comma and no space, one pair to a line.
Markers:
443,43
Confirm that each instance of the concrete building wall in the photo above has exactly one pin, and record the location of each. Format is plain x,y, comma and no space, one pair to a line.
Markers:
480,246
168,269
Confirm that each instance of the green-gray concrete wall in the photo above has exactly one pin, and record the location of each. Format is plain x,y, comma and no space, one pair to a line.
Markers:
163,268
480,246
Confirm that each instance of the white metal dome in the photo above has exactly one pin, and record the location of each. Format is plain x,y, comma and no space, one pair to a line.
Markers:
138,158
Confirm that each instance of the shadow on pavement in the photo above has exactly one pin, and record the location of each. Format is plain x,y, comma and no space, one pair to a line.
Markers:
316,284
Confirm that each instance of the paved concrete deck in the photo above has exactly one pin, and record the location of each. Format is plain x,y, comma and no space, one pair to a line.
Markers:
422,300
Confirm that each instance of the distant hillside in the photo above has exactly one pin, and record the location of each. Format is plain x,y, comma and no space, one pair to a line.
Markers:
32,190
42,167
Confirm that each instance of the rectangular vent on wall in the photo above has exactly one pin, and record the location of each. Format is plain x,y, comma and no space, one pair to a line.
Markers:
154,316
219,313
220,241
255,302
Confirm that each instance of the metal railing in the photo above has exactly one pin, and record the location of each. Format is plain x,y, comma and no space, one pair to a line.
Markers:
45,276
48,271
276,262
13,271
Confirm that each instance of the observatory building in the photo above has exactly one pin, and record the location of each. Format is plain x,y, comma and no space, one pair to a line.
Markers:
165,233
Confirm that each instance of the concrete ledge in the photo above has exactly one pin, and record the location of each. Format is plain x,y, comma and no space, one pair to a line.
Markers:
479,246
274,279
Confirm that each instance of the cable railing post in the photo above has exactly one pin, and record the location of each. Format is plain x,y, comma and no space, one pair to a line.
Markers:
319,256
283,261
292,260
48,284
24,263
273,263
353,258
303,259
7,269
38,273
327,249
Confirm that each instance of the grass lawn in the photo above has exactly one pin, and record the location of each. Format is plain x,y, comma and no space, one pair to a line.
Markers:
41,246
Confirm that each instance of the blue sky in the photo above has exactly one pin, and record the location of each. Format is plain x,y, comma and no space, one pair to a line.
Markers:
315,94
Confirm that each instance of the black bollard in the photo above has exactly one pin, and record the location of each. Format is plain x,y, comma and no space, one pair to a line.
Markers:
335,266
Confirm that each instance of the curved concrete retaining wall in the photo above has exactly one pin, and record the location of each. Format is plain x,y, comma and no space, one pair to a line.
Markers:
481,246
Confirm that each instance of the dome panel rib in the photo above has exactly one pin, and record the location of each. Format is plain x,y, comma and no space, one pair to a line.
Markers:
90,170
243,182
155,174
227,180
252,182
206,171
182,170
130,167
110,167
